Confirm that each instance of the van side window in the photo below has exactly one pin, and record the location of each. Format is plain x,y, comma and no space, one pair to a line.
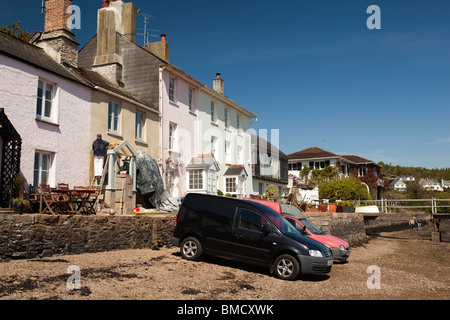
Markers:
249,220
253,221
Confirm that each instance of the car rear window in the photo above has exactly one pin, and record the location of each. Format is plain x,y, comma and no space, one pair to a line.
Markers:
291,211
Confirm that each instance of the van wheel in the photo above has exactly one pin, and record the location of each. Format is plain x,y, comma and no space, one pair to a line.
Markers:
191,249
286,267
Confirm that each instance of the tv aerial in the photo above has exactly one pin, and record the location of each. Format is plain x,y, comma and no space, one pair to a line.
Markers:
147,30
43,9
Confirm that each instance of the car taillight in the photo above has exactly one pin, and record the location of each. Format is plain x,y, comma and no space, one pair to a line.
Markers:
176,222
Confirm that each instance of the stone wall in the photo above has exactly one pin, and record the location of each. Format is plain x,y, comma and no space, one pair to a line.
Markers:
348,226
33,236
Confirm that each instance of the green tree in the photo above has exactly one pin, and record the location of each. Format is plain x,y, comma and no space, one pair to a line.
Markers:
14,29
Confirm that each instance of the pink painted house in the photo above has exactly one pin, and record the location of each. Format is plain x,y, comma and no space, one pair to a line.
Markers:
49,108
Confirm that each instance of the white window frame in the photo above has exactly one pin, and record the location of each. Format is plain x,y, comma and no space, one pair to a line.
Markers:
139,130
172,89
41,174
196,179
227,149
191,99
213,112
214,145
226,118
43,102
211,182
114,111
240,155
173,131
231,185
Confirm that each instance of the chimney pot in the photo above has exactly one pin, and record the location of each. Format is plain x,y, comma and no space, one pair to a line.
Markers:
106,3
163,37
218,84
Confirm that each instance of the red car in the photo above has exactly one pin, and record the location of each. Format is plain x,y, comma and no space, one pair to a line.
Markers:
339,247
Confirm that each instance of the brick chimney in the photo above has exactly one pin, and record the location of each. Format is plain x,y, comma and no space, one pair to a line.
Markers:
114,20
160,48
218,84
57,40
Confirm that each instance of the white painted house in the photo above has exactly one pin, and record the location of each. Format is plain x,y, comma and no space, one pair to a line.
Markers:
398,185
223,130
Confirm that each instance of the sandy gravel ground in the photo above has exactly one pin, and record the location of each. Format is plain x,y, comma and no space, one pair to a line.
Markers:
409,267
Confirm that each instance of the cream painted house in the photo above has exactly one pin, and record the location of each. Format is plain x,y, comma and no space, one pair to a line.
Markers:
119,116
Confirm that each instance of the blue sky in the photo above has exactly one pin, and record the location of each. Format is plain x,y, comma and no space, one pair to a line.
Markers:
312,69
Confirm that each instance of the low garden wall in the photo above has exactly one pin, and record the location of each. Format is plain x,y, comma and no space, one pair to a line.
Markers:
32,236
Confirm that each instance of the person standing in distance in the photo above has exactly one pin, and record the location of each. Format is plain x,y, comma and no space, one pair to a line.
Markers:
99,147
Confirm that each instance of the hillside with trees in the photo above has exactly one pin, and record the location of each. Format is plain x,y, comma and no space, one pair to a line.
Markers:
417,172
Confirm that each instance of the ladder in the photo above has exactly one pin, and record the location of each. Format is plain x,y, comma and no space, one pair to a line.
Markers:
99,184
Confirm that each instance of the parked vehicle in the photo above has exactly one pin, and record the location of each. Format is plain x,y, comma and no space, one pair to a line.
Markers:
339,247
249,232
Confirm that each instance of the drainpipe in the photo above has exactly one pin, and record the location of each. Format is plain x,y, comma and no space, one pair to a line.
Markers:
161,118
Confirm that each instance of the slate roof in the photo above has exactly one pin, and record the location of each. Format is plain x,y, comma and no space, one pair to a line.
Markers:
201,162
36,56
357,159
312,153
235,170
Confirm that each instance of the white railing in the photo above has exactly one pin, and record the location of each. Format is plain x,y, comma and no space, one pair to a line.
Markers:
385,204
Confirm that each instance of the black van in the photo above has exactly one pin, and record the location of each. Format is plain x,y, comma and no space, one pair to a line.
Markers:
247,231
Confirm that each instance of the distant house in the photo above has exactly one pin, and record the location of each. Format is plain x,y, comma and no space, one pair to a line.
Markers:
398,185
446,185
316,158
431,184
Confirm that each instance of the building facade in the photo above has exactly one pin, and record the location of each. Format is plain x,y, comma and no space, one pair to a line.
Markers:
183,103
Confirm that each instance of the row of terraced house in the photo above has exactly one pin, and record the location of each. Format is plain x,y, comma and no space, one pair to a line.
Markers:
56,98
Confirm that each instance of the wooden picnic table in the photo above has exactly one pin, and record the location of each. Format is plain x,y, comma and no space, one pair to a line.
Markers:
79,200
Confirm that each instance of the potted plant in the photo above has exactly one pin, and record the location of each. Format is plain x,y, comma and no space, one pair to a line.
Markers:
323,207
332,206
20,205
346,206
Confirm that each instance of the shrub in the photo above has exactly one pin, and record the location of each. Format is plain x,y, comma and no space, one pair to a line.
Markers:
271,191
343,189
